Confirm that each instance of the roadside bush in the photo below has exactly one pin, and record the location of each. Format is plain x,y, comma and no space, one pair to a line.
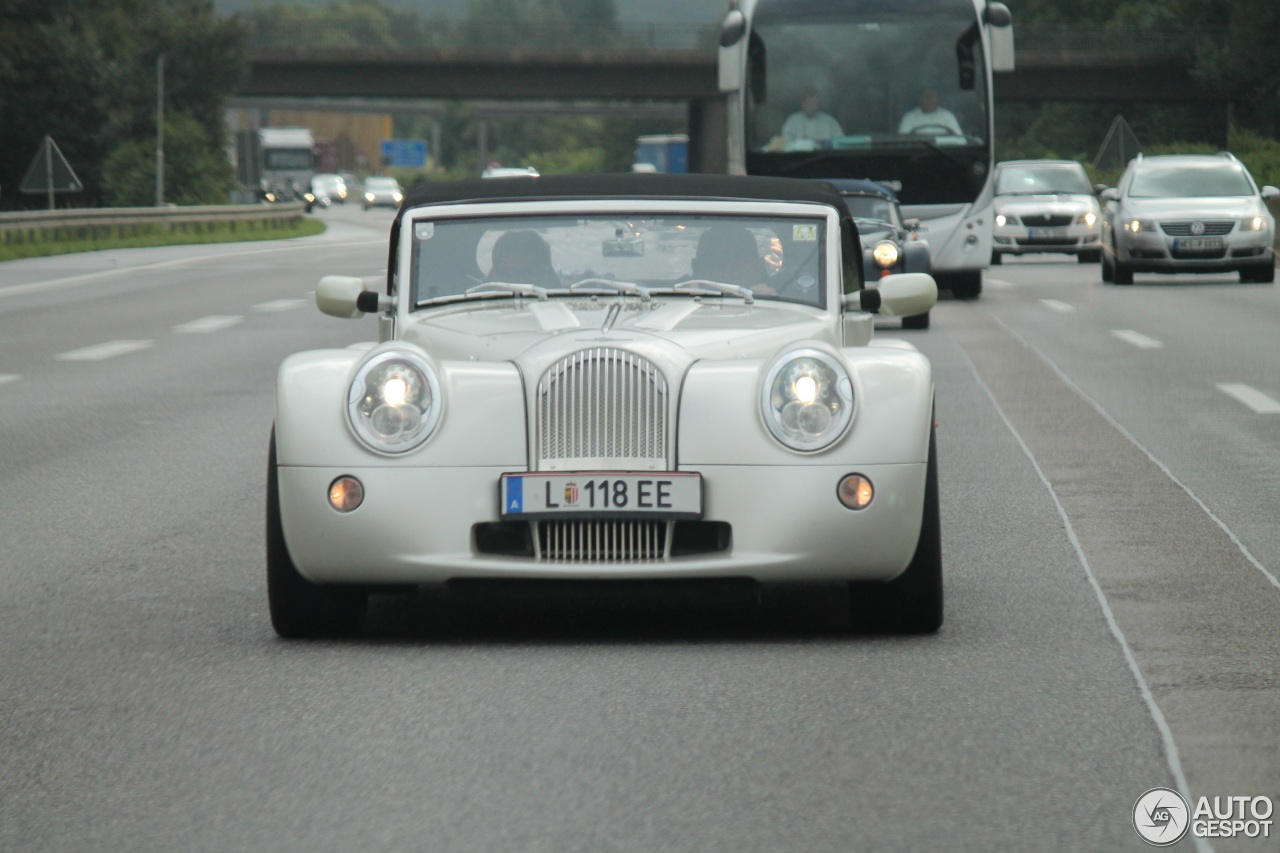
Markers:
195,171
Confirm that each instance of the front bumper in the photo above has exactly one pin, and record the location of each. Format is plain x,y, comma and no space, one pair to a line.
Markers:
1157,252
418,525
1020,240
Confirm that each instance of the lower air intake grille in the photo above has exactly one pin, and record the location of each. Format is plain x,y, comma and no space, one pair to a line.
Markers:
602,541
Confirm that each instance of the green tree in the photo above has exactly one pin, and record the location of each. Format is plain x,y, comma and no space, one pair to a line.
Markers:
84,72
194,171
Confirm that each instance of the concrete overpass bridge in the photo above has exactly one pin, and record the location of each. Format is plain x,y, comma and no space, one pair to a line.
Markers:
1070,63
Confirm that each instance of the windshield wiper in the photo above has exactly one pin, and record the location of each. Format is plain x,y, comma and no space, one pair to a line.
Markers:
514,288
708,286
627,287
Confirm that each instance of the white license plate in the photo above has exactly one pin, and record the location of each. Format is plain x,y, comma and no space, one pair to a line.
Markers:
1194,243
602,494
1047,232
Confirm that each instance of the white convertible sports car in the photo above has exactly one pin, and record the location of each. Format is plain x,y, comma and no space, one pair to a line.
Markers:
610,377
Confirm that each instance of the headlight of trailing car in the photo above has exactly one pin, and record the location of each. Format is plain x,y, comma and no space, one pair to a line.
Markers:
394,402
807,399
1003,219
1137,226
1088,218
885,254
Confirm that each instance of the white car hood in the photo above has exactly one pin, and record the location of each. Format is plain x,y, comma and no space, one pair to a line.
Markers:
682,329
1048,203
1191,208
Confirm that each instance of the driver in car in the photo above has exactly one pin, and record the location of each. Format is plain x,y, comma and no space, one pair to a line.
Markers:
930,116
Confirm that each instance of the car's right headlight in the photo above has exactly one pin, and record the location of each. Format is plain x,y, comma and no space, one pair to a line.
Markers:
886,254
1137,226
1003,219
807,399
394,402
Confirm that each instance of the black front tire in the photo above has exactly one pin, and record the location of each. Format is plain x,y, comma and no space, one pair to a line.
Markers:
995,259
1123,273
916,321
1259,275
912,602
966,285
299,608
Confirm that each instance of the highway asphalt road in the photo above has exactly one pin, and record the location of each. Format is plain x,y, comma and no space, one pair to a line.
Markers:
1108,481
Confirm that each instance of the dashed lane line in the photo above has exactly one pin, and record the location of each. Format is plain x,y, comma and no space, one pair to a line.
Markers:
1250,397
1060,307
279,305
212,323
7,378
1136,339
101,352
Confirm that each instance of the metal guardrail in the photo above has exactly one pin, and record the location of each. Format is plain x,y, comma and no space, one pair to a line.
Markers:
106,223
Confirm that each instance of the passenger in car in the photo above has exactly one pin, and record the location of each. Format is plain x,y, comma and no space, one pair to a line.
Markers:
523,257
729,253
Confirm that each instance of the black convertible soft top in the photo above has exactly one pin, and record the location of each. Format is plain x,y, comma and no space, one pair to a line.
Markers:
624,185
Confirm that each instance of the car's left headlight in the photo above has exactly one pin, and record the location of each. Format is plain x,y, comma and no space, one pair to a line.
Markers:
394,402
1254,223
886,254
1088,218
807,399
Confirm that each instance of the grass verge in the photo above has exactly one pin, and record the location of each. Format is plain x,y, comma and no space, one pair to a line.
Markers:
141,236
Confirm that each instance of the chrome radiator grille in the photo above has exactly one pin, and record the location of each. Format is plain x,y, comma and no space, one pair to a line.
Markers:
1211,228
602,408
602,541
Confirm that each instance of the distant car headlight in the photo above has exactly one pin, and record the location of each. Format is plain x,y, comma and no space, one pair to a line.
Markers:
1088,218
1003,219
886,254
398,196
1137,226
807,399
370,197
1254,223
394,402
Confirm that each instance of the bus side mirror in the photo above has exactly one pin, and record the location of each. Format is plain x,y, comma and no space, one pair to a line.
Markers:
730,51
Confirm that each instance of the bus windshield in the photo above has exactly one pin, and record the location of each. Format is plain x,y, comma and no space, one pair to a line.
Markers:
853,88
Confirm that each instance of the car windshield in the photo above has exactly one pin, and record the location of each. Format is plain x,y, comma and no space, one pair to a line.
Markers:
773,258
1186,181
1041,180
872,208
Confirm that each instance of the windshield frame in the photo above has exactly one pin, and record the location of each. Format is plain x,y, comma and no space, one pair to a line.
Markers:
827,218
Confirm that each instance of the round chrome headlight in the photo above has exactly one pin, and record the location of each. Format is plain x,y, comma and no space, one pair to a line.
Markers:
885,254
807,399
394,402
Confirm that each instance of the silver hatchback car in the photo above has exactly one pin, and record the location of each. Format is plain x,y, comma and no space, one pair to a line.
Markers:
1045,206
1188,213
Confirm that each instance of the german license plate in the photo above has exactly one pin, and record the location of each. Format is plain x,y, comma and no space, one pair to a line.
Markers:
602,494
1192,244
1047,232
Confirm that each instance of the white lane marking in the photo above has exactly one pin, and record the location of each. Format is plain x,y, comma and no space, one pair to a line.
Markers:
212,323
1137,339
1060,307
1251,397
6,378
997,283
221,256
99,352
279,305
1172,756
